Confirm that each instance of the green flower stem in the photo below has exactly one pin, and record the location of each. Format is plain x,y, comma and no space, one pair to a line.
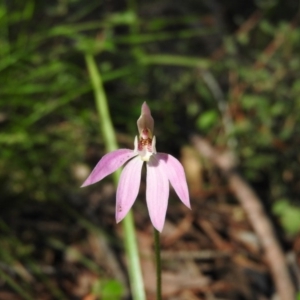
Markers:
158,264
135,273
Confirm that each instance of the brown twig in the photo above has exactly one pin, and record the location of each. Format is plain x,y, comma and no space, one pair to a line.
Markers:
257,217
275,44
218,241
245,28
238,88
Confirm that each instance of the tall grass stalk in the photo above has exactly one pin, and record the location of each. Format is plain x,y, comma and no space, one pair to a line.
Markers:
108,133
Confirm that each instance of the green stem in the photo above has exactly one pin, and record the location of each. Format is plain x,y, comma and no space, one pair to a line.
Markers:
106,126
158,264
175,60
135,273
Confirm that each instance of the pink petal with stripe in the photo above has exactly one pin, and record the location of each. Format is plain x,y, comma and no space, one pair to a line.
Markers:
157,192
128,187
108,164
176,175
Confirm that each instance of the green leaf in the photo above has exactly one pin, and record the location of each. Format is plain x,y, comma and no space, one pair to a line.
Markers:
108,290
207,119
289,215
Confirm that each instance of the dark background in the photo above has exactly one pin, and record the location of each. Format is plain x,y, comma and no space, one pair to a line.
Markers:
227,70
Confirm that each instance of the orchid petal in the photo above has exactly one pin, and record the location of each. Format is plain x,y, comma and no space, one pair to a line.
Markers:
176,175
128,187
145,121
157,192
108,164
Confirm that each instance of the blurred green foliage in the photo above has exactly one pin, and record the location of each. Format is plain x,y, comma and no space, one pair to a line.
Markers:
195,74
109,290
289,215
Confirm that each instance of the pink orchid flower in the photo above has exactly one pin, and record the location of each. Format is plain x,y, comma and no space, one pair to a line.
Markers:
161,168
